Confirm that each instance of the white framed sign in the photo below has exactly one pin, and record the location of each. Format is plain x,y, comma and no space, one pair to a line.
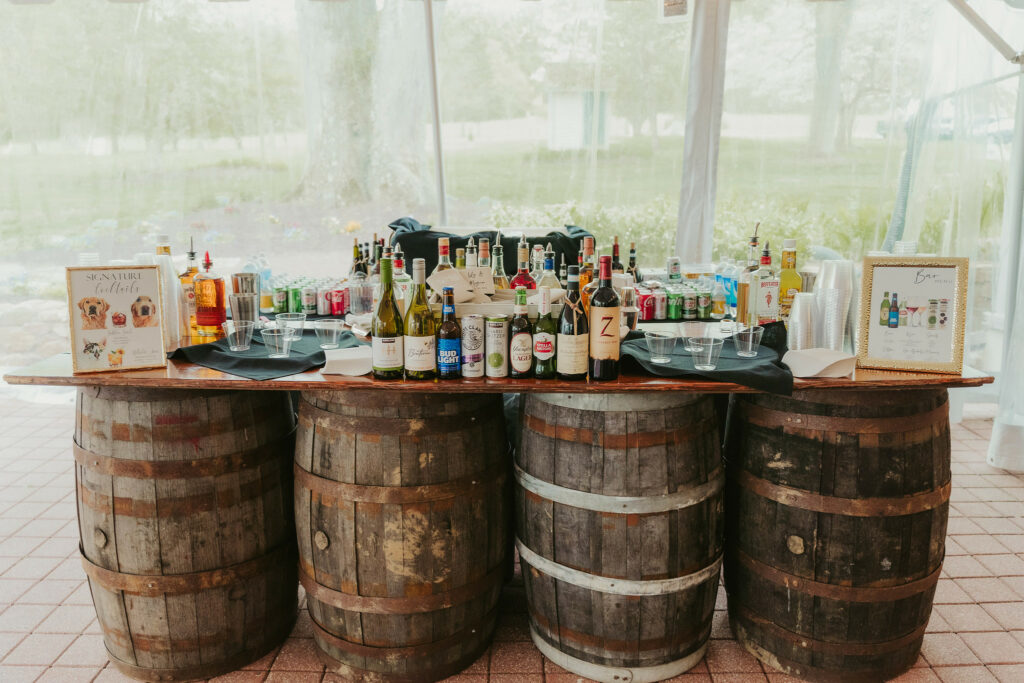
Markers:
912,313
116,321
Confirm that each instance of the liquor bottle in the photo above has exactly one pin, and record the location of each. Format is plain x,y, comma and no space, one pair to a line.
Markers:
789,280
357,258
563,273
547,277
587,264
743,284
903,314
378,255
573,340
604,327
883,314
472,260
544,331
443,258
449,339
894,312
631,268
367,256
523,277
189,288
484,258
210,310
460,259
616,263
174,306
420,329
537,262
500,279
764,290
403,284
520,333
387,330
399,258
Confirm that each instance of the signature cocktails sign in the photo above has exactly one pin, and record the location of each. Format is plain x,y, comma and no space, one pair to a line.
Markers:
116,321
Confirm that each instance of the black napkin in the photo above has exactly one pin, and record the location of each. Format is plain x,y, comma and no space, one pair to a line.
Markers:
305,354
765,372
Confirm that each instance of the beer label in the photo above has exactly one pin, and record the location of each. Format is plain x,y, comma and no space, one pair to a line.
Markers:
604,333
520,352
543,345
388,353
449,354
420,353
573,353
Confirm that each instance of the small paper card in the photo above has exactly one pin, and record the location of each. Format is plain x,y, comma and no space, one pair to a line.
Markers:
452,278
480,279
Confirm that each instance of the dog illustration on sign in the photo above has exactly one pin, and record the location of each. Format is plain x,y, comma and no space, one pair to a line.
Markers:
94,313
144,312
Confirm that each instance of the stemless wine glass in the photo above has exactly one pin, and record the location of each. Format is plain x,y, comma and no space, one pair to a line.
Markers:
629,309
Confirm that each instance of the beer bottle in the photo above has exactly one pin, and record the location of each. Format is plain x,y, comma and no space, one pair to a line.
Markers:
386,328
604,326
520,345
449,339
420,329
544,331
573,332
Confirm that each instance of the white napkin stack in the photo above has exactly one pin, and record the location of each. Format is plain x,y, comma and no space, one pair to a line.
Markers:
354,361
820,363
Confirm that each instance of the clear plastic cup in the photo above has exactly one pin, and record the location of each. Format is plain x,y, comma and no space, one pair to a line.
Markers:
690,330
661,345
706,352
328,332
747,341
293,322
238,333
278,342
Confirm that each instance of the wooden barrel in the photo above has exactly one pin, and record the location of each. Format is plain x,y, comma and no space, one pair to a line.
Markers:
402,529
185,517
836,514
619,530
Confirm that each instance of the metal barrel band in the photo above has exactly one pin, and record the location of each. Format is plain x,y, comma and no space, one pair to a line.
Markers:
170,428
850,507
679,435
556,633
771,419
832,591
437,425
618,402
626,505
617,586
482,626
399,605
184,469
342,492
182,506
153,585
617,674
827,646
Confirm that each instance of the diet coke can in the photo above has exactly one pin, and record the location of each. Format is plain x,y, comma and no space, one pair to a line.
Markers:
338,296
323,301
660,304
472,346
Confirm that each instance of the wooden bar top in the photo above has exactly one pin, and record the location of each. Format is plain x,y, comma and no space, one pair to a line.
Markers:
56,371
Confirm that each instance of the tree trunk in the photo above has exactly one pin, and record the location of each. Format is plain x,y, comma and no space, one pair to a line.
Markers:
832,24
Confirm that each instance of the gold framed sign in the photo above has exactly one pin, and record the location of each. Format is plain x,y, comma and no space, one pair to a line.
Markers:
116,321
912,313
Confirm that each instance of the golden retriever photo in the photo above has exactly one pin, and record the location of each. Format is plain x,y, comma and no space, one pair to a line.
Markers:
144,312
115,358
94,313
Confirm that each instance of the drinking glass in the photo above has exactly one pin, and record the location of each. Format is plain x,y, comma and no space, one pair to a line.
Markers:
327,333
747,341
244,306
705,357
293,322
238,334
690,330
278,342
661,345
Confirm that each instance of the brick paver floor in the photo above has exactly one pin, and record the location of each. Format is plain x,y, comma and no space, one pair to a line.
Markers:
48,631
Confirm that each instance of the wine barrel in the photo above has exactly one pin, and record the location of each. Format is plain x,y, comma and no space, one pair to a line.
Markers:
185,517
402,528
836,511
619,530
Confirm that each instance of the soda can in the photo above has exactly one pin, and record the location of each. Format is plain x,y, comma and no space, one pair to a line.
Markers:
704,304
472,346
308,300
660,304
496,345
645,304
674,268
280,299
294,298
675,306
323,301
689,304
339,300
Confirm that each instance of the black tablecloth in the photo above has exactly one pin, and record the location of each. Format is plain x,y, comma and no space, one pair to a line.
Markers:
305,354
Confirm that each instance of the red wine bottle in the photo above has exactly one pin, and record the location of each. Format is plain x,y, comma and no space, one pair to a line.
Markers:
604,326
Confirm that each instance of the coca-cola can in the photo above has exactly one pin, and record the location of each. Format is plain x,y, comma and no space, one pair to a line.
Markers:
660,304
645,304
472,345
338,297
323,301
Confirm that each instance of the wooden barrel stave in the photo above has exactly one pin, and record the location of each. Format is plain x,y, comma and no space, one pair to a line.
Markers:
419,483
836,537
149,515
581,462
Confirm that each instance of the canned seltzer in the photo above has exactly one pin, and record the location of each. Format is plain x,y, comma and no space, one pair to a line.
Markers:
280,299
496,345
323,301
308,300
295,298
472,345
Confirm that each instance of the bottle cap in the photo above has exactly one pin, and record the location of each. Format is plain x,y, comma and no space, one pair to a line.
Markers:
448,290
789,244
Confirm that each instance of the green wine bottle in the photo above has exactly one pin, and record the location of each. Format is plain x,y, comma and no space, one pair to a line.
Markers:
544,331
420,328
388,353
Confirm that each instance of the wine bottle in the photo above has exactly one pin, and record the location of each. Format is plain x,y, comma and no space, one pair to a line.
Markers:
604,326
573,340
357,259
631,268
387,330
562,273
520,344
616,263
444,261
449,339
420,329
544,338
